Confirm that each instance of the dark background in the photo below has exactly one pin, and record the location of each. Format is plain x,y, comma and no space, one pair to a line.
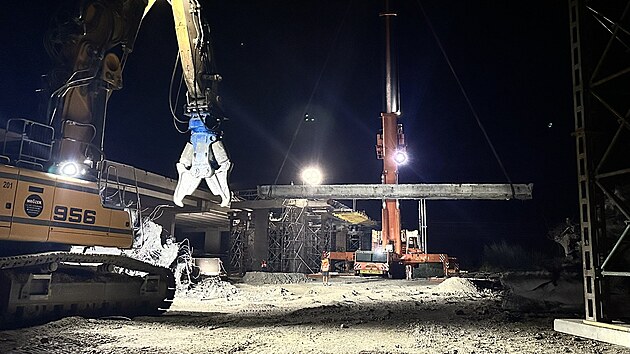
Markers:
282,59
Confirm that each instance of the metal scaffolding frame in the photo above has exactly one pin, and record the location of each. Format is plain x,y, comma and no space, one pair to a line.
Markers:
353,241
240,232
318,237
274,239
293,257
302,240
600,53
297,237
312,232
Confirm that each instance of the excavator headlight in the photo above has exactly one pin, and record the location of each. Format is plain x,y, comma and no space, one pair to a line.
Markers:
71,169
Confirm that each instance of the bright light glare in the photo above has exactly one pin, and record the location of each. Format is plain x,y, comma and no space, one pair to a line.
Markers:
69,168
400,157
312,176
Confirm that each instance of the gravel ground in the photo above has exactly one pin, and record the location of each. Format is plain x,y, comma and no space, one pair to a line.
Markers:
353,315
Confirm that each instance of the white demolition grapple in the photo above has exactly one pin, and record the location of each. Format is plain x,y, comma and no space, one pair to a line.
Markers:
207,160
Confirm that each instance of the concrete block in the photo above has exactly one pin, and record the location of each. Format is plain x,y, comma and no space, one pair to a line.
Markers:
618,334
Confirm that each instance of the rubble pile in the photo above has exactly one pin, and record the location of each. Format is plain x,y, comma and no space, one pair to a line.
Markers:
258,278
458,287
148,247
208,289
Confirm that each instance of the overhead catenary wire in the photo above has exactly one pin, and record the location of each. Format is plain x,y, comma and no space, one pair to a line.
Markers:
315,87
470,105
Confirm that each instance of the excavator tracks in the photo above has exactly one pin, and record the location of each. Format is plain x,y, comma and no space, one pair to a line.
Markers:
42,287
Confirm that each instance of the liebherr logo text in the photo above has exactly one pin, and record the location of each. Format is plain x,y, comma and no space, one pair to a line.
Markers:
34,201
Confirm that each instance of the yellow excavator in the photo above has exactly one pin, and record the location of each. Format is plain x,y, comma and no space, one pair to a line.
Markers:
58,190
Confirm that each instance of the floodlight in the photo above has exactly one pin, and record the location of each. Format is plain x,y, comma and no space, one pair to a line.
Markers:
312,176
400,157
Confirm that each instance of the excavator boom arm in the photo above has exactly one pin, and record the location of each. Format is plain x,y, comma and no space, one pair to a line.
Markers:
87,54
205,156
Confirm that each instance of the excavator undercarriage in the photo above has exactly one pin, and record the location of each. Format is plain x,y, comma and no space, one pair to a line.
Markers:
42,287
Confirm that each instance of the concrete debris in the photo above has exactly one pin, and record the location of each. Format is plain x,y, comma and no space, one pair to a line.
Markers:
279,292
185,275
257,278
458,287
208,289
148,247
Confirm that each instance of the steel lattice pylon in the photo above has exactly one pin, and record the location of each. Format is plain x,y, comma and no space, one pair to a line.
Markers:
600,53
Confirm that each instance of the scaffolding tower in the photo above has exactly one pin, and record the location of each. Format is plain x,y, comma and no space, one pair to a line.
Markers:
240,232
274,238
293,257
296,236
305,237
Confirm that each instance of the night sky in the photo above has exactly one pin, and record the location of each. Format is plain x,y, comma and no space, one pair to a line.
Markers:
282,59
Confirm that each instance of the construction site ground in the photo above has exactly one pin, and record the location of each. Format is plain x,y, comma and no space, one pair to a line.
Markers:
279,313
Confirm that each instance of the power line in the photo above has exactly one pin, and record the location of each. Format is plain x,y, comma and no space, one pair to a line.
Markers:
461,87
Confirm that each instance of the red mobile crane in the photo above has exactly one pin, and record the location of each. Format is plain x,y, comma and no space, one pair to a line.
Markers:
391,257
